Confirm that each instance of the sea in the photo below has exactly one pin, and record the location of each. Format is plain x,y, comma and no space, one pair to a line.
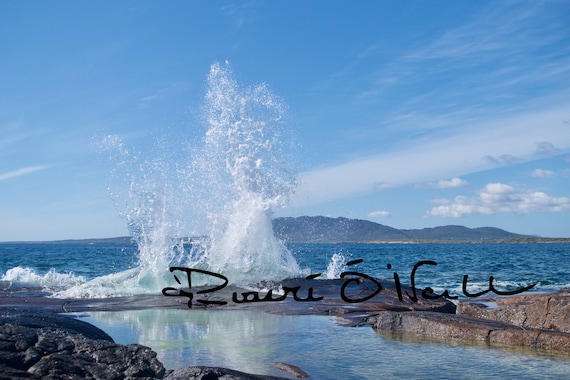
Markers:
252,340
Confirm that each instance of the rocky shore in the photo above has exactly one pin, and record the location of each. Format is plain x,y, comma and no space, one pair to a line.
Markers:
36,342
533,321
45,345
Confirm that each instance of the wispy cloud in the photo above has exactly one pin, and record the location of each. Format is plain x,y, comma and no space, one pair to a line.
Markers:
489,64
444,183
489,30
12,134
542,173
384,186
163,93
501,198
240,13
149,98
379,214
545,148
22,171
503,159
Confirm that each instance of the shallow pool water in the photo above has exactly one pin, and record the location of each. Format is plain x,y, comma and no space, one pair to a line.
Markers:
251,341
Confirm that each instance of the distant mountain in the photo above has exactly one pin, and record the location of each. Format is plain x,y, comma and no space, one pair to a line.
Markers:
321,229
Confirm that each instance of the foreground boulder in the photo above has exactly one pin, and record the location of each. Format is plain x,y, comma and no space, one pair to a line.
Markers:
47,346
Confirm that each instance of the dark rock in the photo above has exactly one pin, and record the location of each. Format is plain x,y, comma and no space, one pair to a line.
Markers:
214,373
292,369
44,345
529,311
38,319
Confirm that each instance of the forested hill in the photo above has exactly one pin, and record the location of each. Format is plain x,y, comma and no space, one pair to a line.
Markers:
324,229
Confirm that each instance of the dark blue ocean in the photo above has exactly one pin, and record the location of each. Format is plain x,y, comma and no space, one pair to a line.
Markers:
57,266
252,341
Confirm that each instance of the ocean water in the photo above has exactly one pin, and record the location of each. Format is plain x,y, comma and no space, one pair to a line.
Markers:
252,341
63,267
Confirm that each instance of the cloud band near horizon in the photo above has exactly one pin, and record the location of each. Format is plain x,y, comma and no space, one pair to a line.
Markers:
475,148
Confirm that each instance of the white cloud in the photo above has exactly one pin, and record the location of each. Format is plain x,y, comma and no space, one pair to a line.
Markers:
541,173
464,152
149,98
501,198
440,201
385,186
21,172
379,214
445,183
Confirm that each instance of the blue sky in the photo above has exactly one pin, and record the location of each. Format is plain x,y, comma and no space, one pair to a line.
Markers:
412,114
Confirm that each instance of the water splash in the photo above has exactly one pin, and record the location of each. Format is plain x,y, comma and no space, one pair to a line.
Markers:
246,178
229,186
336,266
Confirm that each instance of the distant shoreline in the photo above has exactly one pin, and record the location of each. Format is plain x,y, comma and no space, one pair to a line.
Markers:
472,241
129,241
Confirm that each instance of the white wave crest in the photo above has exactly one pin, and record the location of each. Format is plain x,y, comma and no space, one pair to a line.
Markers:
51,280
130,282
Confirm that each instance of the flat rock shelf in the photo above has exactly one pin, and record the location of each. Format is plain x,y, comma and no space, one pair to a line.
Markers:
37,341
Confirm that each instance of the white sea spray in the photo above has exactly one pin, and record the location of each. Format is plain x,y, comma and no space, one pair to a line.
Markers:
229,185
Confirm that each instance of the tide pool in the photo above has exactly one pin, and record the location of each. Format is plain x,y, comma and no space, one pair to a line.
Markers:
251,341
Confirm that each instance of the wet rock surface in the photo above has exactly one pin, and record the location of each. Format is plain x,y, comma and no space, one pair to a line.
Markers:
457,328
536,321
329,297
529,311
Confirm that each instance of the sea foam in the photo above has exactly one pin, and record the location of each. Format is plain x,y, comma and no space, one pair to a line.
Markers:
49,281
